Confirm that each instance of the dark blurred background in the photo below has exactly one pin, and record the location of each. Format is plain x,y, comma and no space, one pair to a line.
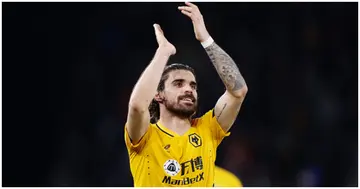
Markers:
69,68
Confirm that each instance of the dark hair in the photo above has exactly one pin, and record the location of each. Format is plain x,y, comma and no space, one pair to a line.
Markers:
154,107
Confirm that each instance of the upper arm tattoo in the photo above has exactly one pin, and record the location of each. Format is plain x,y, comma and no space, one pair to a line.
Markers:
221,111
226,68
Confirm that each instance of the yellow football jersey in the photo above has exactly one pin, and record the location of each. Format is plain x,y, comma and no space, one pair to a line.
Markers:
224,178
164,158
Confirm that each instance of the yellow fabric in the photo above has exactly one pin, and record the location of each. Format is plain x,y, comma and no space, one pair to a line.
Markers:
224,178
164,158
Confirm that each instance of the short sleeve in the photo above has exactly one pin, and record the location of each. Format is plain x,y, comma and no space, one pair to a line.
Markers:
137,148
218,134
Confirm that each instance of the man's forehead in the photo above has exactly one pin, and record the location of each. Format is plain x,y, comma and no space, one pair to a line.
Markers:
181,74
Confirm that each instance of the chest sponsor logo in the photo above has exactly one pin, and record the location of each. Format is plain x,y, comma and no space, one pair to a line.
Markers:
172,167
191,165
184,181
186,167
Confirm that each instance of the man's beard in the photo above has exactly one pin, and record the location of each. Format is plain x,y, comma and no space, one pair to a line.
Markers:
181,110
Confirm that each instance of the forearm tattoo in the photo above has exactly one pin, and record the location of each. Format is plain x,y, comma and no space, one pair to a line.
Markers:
226,68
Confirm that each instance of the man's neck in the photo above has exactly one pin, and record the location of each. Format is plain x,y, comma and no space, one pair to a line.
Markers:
174,123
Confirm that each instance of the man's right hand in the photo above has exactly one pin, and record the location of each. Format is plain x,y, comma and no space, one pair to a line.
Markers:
138,119
164,44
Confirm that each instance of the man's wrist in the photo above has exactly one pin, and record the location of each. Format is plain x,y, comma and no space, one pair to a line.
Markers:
207,42
163,52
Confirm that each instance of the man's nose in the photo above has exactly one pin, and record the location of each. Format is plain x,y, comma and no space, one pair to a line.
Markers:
188,89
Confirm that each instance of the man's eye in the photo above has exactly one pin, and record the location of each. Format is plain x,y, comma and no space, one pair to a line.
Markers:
178,84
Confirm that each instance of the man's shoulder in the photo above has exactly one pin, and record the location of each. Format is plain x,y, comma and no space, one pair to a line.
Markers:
203,119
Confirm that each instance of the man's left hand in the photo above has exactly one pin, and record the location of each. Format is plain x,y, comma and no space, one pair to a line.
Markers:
193,12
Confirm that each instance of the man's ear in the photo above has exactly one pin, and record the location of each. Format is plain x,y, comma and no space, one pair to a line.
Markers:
159,98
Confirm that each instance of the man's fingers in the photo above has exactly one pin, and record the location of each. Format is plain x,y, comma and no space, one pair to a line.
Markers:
191,4
186,8
186,13
158,28
155,28
159,33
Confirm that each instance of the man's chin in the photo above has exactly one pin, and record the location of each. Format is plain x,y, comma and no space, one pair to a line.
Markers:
186,113
189,112
188,108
